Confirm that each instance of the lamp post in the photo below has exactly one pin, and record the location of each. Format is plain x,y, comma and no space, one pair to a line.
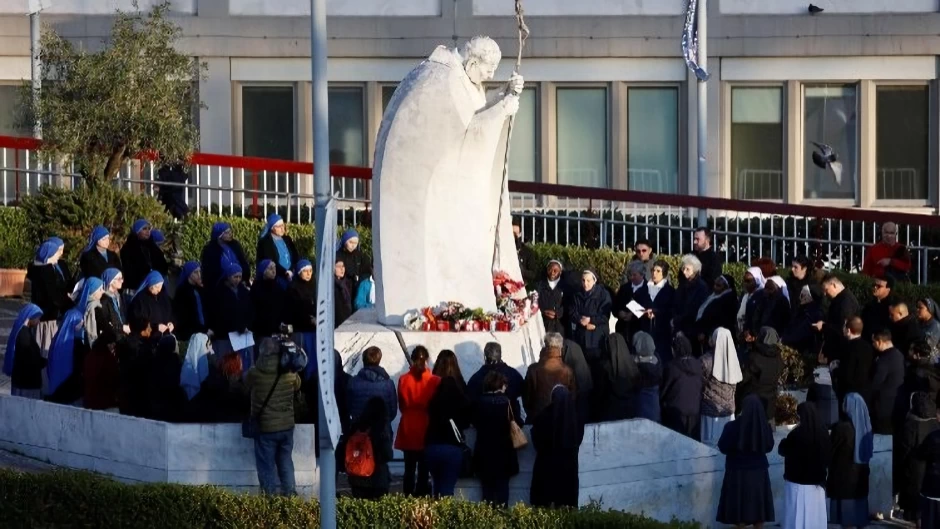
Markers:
701,18
35,64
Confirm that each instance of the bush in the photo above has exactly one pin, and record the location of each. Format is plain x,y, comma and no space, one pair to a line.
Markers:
80,499
72,214
16,247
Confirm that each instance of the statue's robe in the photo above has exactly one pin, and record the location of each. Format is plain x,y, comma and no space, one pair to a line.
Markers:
437,182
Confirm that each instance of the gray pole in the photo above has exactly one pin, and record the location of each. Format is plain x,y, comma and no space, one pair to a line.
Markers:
321,190
35,66
702,106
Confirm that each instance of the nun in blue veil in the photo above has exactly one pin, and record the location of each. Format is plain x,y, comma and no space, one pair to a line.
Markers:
70,345
23,360
222,250
97,257
274,244
50,285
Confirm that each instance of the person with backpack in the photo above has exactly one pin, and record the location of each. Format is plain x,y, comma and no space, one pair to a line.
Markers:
368,451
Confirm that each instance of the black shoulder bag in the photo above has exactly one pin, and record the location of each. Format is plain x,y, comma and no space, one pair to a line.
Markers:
251,427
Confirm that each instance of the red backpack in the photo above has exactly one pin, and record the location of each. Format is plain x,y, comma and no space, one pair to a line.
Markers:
360,461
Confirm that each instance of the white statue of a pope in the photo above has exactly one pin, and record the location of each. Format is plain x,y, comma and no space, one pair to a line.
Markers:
438,180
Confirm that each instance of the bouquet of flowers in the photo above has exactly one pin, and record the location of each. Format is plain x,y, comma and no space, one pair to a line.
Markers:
507,287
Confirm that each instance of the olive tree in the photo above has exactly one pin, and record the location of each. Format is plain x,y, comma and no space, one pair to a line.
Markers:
133,96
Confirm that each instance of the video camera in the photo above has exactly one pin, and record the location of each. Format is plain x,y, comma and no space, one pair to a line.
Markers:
293,359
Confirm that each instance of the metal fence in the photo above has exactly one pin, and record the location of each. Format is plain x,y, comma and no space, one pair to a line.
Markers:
836,238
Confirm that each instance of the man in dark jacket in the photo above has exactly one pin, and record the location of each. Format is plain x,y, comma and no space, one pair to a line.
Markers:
702,248
842,307
527,260
493,361
801,269
371,381
173,196
875,314
905,329
887,378
551,298
852,370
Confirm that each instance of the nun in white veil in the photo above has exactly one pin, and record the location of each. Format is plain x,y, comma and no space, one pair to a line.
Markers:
722,372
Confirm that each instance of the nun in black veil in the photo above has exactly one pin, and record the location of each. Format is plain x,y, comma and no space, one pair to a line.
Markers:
556,435
622,376
746,497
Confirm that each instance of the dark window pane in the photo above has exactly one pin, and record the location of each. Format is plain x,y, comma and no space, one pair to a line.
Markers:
757,143
831,118
653,139
268,132
582,136
903,133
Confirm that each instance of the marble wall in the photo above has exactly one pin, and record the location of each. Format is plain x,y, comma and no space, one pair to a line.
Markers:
139,450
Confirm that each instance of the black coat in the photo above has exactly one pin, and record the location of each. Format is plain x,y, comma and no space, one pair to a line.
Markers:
139,258
721,312
173,197
49,290
596,305
929,452
795,286
528,262
887,379
449,403
908,469
494,457
269,301
773,311
513,387
905,332
711,265
573,356
841,308
343,295
186,311
111,315
681,394
800,333
166,396
156,309
551,299
234,311
854,373
135,357
267,249
211,263
847,480
659,327
875,315
219,399
689,297
627,323
621,381
753,312
761,373
357,265
92,264
302,305
28,361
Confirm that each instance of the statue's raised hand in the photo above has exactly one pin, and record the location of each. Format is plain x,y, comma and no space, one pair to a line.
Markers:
516,84
511,104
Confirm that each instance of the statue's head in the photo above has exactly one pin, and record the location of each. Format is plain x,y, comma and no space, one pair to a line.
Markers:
480,57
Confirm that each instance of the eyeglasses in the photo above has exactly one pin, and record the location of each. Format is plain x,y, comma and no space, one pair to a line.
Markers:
642,250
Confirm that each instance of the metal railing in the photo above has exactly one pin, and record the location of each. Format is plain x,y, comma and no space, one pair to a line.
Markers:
559,214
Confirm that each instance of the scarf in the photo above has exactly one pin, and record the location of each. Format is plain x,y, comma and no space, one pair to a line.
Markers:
655,288
195,365
152,279
644,348
725,368
783,286
273,220
347,235
47,249
228,255
29,312
100,232
854,406
62,349
139,225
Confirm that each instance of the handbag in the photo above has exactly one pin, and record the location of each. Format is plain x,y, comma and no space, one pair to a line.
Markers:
251,427
466,455
516,435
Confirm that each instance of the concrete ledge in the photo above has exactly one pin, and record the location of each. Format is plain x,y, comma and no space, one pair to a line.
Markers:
140,450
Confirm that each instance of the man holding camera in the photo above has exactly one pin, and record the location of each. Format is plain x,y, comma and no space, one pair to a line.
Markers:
274,386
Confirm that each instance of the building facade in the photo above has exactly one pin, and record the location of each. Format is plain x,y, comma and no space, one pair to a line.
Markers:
609,101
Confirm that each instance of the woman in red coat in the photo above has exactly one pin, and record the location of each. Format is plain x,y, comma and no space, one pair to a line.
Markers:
415,390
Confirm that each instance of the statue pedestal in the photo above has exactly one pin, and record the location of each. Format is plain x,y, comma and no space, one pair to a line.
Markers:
520,348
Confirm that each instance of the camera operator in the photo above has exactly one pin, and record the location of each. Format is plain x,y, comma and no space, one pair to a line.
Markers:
275,374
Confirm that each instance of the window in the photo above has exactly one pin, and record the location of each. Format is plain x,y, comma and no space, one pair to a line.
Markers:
653,139
347,135
830,117
387,92
757,143
523,156
903,132
268,131
8,111
582,136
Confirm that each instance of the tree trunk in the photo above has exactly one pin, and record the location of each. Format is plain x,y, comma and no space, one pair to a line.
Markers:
114,162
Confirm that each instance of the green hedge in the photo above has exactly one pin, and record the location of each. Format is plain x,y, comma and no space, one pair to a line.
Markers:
16,245
80,499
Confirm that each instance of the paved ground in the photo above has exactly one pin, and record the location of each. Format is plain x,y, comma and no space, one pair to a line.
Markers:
8,311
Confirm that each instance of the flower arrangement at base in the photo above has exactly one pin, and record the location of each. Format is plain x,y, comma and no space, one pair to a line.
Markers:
514,307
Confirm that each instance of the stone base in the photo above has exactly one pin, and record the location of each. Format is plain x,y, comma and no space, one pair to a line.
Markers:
520,348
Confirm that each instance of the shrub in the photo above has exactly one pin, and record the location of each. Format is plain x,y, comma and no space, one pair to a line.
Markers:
16,247
785,411
80,499
71,215
794,367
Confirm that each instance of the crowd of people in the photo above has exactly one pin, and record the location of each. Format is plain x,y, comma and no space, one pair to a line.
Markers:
700,358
